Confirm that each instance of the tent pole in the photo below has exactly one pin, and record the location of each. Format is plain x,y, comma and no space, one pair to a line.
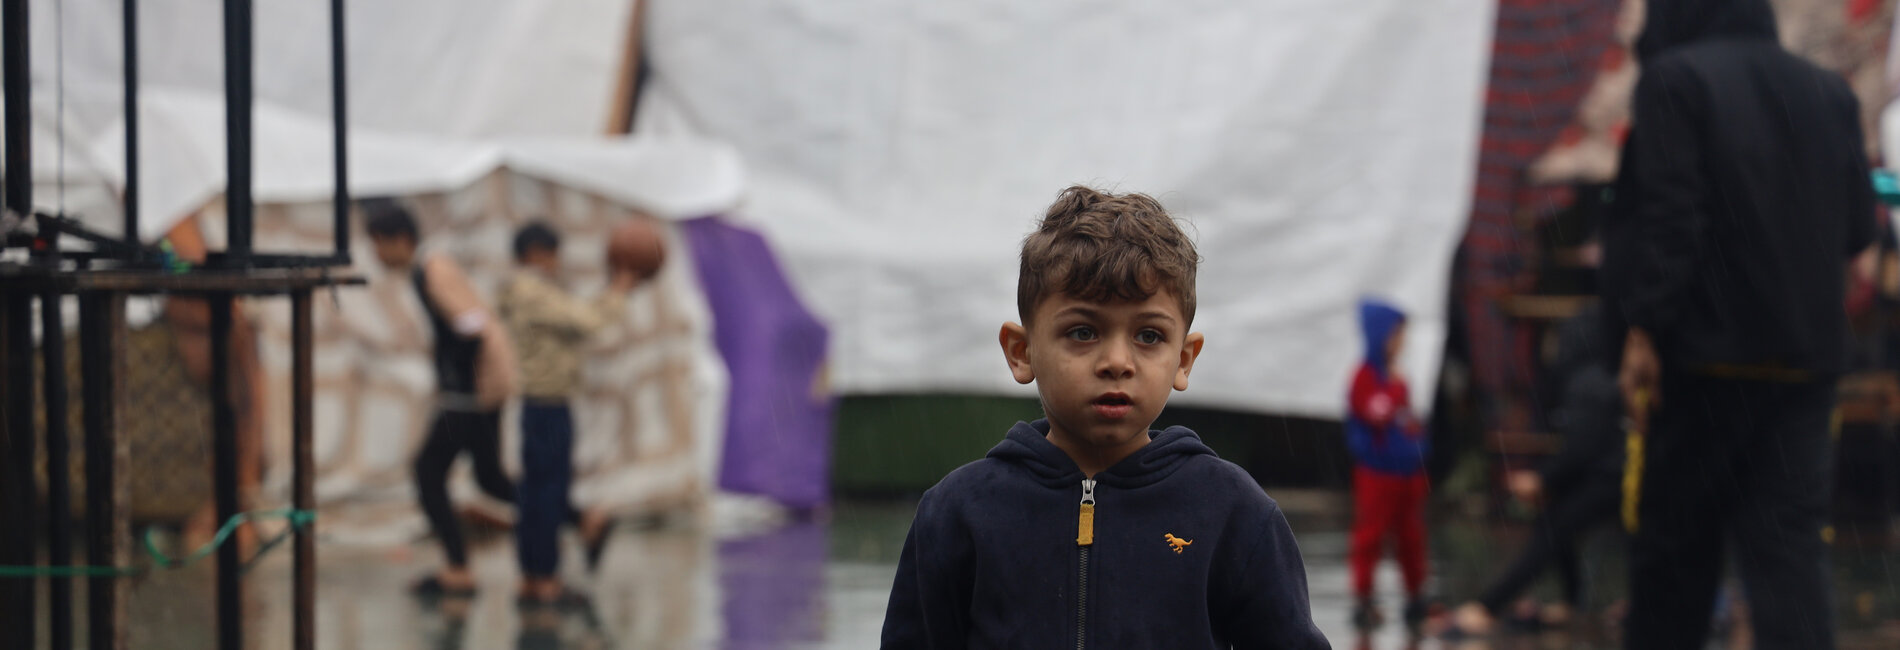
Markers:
102,370
224,452
339,110
131,33
632,62
19,111
237,133
59,512
19,494
18,498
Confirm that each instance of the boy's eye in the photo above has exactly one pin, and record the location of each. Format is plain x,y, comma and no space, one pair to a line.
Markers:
1149,337
1082,333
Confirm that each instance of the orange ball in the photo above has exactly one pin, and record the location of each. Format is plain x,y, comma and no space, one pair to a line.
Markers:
638,246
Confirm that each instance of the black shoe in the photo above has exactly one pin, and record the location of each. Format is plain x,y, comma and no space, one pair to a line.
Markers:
431,587
1366,616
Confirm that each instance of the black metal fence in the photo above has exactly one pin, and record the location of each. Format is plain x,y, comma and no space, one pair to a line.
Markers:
37,515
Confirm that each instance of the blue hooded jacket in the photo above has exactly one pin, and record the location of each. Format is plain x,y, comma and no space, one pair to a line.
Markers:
1187,552
1381,430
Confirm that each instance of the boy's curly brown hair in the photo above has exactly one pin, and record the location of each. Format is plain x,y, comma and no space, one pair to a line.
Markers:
1103,247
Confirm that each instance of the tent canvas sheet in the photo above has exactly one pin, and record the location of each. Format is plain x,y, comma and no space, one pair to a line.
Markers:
899,151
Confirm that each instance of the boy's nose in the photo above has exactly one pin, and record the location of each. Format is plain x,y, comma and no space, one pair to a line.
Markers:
1116,362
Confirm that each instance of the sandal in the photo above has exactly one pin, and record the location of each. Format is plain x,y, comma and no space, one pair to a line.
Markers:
1469,622
1524,616
569,599
432,587
598,546
1367,617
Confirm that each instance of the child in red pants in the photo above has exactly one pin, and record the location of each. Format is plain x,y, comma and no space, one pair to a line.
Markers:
1388,482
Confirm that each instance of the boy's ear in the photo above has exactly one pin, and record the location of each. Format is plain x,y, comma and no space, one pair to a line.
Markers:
1189,352
1015,340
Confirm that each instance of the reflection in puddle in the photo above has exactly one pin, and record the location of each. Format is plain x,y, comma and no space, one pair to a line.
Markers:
773,586
821,584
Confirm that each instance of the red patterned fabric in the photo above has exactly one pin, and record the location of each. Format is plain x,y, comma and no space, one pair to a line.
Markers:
1544,59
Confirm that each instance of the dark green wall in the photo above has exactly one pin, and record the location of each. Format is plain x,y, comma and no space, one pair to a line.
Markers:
901,444
896,444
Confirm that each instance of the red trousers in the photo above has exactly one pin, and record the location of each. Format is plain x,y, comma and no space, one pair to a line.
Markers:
1388,505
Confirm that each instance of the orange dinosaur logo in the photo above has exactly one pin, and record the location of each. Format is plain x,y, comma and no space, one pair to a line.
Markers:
1176,543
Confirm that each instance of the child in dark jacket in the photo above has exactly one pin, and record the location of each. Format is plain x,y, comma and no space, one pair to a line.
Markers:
1088,529
1388,444
1577,489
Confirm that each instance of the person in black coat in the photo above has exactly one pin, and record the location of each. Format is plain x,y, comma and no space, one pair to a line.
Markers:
1742,194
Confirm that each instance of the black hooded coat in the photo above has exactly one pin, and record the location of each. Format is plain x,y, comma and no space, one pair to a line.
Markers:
1743,192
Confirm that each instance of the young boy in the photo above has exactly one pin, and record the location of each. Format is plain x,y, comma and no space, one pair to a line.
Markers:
474,374
1388,482
1087,529
552,329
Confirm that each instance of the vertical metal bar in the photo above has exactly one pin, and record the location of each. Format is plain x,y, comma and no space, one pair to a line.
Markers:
303,467
18,495
237,132
59,511
8,405
101,360
16,77
224,472
131,71
339,127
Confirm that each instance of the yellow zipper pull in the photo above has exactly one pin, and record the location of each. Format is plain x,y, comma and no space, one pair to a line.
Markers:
1085,524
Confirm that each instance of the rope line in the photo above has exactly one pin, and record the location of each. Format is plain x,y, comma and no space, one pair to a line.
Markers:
298,519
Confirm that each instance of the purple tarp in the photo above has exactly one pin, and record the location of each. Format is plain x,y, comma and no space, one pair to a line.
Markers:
778,433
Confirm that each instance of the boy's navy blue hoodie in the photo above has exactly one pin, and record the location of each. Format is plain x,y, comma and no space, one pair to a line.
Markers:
1187,552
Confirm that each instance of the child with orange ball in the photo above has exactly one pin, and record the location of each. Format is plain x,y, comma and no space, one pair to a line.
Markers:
552,328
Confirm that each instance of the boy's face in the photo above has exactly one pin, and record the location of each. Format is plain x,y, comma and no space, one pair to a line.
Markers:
395,251
1103,369
548,260
1394,344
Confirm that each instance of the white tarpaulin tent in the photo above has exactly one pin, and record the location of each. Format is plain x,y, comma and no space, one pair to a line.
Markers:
457,68
898,151
1323,149
654,392
479,116
182,162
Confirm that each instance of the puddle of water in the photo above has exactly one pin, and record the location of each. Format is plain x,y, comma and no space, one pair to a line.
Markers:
820,585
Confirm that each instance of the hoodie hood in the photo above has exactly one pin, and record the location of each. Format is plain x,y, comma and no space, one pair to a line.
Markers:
1167,450
1376,321
1673,23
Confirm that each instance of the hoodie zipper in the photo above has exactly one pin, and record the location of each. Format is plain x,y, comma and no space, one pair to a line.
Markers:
1084,538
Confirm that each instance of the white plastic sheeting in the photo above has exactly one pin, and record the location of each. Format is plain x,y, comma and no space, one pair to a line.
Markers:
460,68
898,151
182,166
182,162
440,79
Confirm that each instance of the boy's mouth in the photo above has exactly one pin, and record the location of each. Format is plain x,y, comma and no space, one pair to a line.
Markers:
1113,406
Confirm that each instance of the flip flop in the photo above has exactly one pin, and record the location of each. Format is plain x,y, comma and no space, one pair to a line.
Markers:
568,600
1526,619
432,587
598,546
